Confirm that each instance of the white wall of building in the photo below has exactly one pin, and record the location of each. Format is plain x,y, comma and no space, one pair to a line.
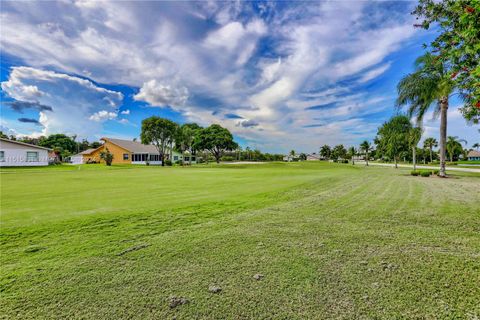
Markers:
15,155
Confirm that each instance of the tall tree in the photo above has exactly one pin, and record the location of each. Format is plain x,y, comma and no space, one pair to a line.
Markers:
392,137
338,152
454,146
352,152
160,132
217,140
476,145
429,86
326,151
430,143
457,45
191,132
366,147
414,136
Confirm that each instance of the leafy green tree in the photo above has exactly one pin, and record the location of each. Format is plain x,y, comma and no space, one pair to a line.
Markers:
3,135
392,137
62,145
429,86
414,136
326,151
95,144
352,152
303,156
107,156
339,152
457,45
430,143
366,147
217,140
454,146
160,132
191,135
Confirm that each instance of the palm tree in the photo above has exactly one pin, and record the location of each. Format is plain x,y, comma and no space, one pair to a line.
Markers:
414,136
430,143
453,145
366,147
430,85
325,151
352,152
476,145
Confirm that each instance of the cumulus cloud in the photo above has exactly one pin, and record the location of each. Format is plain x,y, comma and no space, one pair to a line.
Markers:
125,112
264,62
248,123
67,104
161,95
103,115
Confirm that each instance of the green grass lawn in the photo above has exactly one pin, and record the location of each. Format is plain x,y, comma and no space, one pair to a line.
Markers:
331,241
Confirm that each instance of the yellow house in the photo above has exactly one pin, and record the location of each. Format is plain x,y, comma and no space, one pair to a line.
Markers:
126,152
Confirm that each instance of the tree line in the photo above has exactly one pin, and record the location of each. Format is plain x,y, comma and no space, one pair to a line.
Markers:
397,140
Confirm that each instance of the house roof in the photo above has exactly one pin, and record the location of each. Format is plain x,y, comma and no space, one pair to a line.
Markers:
133,146
88,151
313,155
473,153
25,144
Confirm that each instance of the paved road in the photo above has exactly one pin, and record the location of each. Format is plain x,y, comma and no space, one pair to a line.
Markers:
419,166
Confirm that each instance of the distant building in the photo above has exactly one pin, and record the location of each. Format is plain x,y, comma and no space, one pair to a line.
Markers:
290,158
313,157
20,154
473,155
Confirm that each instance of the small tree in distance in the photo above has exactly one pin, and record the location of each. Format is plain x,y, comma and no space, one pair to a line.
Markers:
107,156
430,143
366,147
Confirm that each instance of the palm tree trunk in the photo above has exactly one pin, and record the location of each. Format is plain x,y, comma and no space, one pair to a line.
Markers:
396,162
443,134
431,154
366,158
414,151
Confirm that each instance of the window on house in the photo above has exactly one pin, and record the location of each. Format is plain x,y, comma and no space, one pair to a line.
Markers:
193,158
32,156
175,158
2,156
125,156
187,159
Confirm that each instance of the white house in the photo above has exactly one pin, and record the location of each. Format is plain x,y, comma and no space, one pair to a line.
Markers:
16,154
473,155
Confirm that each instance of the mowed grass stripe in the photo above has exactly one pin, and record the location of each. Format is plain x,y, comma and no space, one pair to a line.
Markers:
344,243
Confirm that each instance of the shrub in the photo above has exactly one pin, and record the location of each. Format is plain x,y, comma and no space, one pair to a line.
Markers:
425,173
414,173
227,158
179,162
436,172
168,162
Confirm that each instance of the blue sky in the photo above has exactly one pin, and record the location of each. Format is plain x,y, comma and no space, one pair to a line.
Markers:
279,75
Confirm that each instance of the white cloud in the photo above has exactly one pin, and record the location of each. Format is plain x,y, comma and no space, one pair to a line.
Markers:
374,73
103,115
74,102
161,95
214,49
125,112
